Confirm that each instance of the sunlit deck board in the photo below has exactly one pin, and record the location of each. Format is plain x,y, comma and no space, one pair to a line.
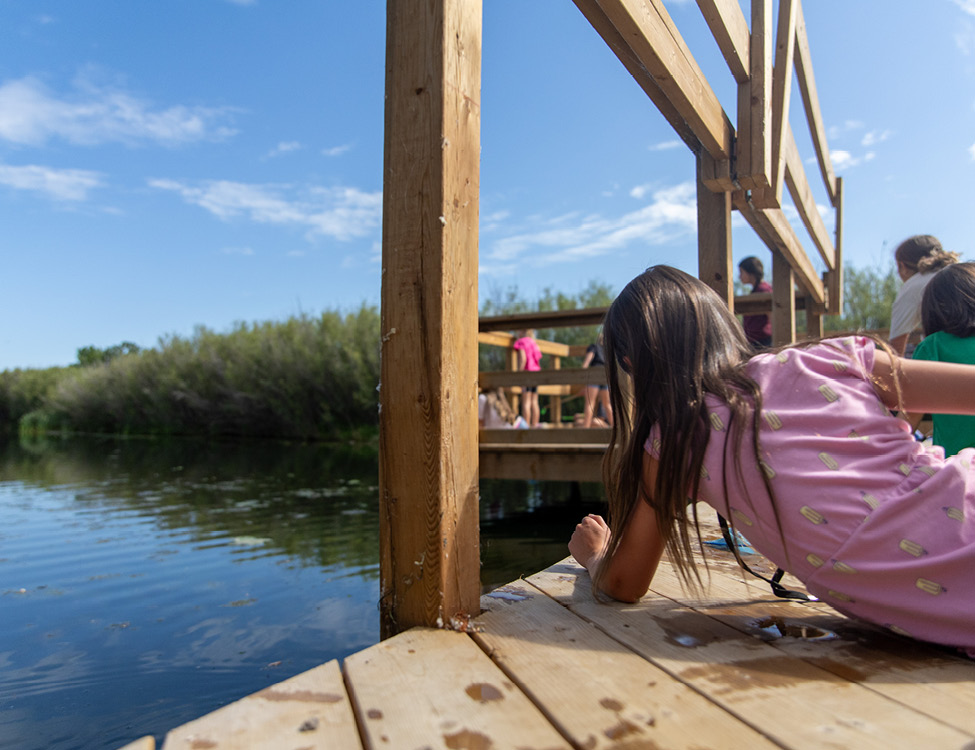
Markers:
436,688
780,691
547,666
597,691
311,710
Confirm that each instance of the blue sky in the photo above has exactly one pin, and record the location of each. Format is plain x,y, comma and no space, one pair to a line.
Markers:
201,162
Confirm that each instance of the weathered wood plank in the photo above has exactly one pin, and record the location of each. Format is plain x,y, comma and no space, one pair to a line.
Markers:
568,376
568,435
924,678
428,401
789,700
591,316
505,462
599,693
795,178
785,43
714,262
615,41
437,689
755,143
651,35
810,99
783,301
730,31
778,235
310,710
497,338
834,277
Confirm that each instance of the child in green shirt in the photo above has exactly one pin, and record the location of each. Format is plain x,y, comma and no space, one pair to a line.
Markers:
948,320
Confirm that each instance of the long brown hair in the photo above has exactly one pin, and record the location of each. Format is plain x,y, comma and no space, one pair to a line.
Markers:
670,340
923,253
949,301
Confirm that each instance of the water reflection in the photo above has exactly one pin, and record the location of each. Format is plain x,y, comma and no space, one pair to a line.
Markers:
144,583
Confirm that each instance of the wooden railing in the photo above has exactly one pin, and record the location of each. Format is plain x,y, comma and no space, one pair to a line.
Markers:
428,429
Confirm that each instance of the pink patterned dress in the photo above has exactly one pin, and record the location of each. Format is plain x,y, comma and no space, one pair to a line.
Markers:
877,525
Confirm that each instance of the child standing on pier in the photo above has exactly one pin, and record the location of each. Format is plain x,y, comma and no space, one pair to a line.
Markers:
948,321
529,359
797,448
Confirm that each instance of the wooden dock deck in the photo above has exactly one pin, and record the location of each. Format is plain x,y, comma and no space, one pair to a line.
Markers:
546,666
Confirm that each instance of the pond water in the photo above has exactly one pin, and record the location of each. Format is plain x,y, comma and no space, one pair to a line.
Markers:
145,583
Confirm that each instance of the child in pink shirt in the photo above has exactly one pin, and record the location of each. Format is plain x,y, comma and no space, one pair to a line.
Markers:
798,449
529,358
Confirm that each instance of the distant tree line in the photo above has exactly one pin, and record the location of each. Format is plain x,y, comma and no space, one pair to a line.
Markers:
306,377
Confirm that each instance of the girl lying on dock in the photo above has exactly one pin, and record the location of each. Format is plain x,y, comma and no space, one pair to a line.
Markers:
797,448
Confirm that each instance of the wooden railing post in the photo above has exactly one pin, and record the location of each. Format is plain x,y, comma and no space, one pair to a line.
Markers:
714,260
428,470
783,301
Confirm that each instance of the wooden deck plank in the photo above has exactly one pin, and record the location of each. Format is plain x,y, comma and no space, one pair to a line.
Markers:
310,710
785,698
925,678
570,435
598,692
430,688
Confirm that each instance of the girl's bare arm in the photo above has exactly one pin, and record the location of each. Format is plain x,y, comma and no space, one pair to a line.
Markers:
635,561
926,387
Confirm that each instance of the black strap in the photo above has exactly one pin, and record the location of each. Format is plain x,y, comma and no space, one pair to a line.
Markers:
775,581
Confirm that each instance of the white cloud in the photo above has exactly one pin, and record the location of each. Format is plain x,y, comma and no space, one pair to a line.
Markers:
971,151
665,146
671,214
59,184
966,5
341,213
835,131
31,115
284,147
874,137
336,150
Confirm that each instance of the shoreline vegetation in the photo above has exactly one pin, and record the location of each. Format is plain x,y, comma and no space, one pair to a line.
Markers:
313,378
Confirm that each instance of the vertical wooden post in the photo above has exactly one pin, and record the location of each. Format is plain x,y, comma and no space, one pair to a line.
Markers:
783,301
814,320
428,471
714,262
835,277
556,401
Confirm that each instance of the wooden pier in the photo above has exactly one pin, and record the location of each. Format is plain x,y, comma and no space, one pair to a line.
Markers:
539,663
546,666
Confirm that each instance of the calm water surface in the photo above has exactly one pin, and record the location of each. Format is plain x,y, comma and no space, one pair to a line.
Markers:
143,584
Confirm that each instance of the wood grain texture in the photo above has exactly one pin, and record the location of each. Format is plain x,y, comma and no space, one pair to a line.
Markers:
428,399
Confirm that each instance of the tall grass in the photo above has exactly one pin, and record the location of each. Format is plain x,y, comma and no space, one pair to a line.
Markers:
307,377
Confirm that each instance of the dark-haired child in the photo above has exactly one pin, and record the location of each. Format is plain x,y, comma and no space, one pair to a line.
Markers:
948,320
797,448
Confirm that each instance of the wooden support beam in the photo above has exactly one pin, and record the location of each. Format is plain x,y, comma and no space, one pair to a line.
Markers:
577,376
591,316
814,322
730,31
783,301
778,235
650,34
428,471
714,262
496,338
604,27
755,112
795,178
834,278
781,94
810,100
